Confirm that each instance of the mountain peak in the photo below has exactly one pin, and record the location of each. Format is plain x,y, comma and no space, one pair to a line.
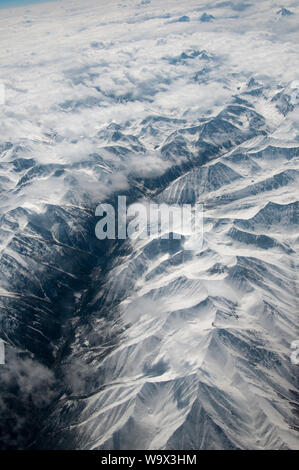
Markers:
206,18
284,12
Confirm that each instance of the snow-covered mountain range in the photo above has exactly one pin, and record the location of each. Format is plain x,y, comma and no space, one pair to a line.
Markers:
142,344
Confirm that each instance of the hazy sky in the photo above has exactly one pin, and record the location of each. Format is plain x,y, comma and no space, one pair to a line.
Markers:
19,3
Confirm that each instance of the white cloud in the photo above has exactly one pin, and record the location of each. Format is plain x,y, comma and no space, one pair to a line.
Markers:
75,70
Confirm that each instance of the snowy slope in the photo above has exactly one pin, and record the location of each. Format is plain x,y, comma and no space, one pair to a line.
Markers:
144,344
